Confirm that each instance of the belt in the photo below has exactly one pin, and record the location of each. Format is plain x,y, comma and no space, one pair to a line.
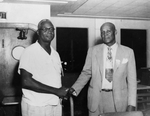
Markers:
107,90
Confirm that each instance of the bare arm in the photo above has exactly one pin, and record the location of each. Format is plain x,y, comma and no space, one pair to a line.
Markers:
29,83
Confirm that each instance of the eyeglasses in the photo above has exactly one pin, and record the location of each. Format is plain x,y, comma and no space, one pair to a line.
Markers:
51,29
107,32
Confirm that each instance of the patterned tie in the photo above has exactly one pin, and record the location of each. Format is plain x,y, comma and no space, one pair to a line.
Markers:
109,66
109,54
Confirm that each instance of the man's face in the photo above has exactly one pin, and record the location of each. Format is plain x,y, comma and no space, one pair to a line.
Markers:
46,32
108,34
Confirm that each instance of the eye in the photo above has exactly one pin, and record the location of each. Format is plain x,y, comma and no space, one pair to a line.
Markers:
108,32
51,29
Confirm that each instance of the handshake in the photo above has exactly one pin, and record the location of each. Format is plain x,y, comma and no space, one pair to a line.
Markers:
70,92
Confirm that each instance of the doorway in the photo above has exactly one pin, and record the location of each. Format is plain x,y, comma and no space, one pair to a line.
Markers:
72,45
135,39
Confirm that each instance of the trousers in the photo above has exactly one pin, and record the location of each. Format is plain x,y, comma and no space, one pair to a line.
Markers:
48,110
107,102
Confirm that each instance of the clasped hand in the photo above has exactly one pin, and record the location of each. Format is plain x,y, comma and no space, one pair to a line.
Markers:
70,92
62,92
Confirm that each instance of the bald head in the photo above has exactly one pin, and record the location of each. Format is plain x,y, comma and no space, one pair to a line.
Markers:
44,21
111,25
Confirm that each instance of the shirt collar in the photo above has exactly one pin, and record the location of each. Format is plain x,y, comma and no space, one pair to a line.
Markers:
114,46
52,50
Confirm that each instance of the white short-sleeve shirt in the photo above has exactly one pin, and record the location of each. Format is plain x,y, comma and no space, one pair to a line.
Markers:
44,68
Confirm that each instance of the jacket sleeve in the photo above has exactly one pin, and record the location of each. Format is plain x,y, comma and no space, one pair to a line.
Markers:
132,80
86,73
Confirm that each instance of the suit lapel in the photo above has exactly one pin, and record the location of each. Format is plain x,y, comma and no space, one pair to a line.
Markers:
119,57
99,57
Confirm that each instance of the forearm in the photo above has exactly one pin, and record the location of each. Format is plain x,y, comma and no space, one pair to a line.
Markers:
85,75
81,82
36,86
30,83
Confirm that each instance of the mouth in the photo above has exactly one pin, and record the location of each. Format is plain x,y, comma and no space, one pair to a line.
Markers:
49,35
107,38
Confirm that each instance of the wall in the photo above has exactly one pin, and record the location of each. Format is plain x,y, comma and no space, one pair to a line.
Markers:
93,26
18,16
31,13
25,13
76,22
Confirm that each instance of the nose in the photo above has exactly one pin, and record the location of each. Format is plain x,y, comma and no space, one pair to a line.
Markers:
104,34
51,32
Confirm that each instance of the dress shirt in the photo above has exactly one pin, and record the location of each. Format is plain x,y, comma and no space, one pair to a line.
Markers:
106,84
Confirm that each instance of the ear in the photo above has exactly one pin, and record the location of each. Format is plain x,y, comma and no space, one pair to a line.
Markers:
115,32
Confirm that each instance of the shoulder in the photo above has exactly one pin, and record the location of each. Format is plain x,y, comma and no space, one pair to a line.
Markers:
97,47
29,50
31,47
126,48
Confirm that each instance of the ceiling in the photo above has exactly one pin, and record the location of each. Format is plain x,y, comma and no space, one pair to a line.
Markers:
128,9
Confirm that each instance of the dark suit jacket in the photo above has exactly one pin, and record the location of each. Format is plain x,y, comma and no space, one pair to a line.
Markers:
124,78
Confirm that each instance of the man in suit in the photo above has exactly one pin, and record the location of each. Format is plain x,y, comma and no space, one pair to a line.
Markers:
111,69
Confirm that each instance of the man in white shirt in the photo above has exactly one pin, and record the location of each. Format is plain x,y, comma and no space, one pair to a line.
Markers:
40,69
111,69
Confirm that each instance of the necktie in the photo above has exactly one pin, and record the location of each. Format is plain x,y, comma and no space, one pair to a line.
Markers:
109,54
109,65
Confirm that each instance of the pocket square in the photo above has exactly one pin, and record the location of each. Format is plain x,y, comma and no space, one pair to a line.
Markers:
125,60
117,62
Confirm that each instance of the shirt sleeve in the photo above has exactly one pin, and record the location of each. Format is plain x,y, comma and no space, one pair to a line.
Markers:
26,61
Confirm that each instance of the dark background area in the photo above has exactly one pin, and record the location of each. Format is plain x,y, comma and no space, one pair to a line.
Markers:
72,45
136,39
